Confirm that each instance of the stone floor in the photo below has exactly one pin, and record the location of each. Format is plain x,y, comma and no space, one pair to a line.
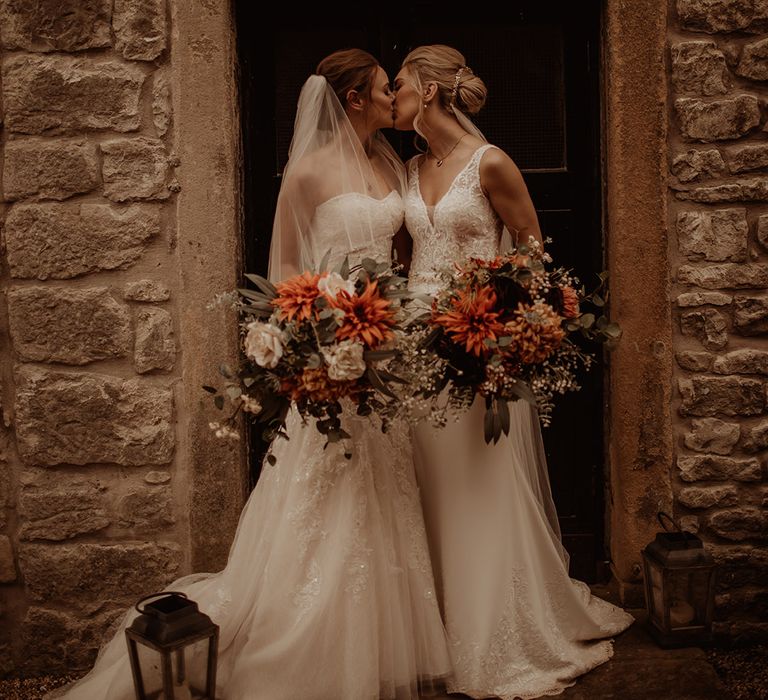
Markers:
640,670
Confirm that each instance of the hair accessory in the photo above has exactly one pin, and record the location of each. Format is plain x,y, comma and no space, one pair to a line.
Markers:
455,89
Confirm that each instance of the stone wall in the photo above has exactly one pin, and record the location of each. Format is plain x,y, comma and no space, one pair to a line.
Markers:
718,211
103,417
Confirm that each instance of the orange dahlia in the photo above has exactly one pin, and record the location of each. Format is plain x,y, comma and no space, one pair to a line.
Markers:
315,385
536,331
296,296
472,320
367,317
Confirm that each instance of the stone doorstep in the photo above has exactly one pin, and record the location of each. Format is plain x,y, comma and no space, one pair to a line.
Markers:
641,670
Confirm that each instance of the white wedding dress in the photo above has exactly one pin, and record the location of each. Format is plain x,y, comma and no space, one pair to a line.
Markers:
518,625
328,592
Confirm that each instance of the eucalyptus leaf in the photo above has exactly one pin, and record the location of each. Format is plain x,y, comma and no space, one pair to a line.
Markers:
210,389
218,401
523,391
263,284
587,320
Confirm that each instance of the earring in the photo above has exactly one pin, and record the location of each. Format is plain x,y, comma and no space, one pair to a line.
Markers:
426,104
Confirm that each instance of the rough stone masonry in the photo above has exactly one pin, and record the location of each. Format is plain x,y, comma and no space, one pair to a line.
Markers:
719,207
90,499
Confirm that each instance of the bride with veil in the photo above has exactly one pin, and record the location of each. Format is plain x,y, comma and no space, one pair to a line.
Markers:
328,591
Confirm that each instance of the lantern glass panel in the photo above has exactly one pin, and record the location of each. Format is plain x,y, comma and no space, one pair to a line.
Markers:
188,667
689,598
656,602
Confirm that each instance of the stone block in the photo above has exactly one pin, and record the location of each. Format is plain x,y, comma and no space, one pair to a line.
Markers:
48,169
762,230
742,361
90,577
750,315
746,158
726,276
135,168
695,361
155,347
754,61
58,509
738,524
712,435
60,643
729,396
752,190
699,67
697,164
717,120
60,94
146,290
140,28
55,25
754,438
716,236
708,496
740,565
715,468
689,299
708,325
146,510
61,241
715,16
82,418
72,326
162,113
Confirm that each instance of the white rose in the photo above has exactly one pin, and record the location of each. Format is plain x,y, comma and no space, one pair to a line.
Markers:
263,344
345,361
332,284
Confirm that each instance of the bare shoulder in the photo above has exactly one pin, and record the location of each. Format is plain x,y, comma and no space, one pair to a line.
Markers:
498,169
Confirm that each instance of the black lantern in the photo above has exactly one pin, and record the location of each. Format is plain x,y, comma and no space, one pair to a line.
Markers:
173,648
679,588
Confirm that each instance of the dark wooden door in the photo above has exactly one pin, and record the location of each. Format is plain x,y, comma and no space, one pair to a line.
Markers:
540,62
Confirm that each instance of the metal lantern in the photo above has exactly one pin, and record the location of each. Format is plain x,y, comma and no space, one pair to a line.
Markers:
679,588
172,647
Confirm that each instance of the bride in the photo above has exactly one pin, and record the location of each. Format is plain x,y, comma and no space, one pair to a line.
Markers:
518,626
328,591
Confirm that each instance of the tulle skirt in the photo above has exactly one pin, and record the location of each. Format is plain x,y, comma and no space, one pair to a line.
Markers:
518,625
328,592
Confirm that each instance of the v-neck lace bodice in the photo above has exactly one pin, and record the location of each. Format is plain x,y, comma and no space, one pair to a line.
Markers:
463,224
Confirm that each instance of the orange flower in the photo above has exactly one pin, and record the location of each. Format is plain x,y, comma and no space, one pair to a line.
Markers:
296,296
536,331
315,385
570,302
472,320
367,317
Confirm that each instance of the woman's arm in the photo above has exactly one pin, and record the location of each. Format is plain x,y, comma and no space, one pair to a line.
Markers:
503,183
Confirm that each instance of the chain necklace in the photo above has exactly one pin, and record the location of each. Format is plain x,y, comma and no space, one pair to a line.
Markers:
439,161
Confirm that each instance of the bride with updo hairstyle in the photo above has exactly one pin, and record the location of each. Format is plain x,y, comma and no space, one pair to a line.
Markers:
518,625
328,591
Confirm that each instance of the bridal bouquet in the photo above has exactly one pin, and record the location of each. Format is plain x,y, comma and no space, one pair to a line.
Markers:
313,340
504,329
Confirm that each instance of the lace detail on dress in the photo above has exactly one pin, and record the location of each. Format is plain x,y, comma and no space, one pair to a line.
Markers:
307,592
463,224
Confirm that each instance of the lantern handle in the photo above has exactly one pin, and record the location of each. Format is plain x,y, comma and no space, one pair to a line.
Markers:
661,516
156,595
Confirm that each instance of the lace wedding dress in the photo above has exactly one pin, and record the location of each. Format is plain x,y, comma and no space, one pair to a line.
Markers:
328,591
518,625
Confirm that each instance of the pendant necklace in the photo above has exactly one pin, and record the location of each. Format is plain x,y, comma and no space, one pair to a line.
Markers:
439,161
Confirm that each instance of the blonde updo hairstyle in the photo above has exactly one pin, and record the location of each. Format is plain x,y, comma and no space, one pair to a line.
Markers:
457,85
